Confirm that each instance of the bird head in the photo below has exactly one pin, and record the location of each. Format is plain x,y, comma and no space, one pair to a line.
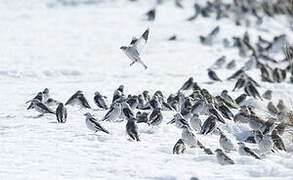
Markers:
123,48
218,150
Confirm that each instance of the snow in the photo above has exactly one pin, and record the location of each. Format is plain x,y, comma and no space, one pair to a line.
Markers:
70,47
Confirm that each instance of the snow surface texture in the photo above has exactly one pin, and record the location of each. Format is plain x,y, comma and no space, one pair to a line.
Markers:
75,46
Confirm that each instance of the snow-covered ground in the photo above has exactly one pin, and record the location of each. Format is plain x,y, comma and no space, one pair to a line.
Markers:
70,47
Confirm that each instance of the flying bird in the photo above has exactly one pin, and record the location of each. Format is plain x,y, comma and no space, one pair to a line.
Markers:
133,50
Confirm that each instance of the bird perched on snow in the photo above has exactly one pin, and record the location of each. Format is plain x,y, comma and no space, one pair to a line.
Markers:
41,107
101,101
187,85
156,117
93,124
212,110
267,95
188,137
265,142
133,50
79,99
226,143
209,125
240,99
222,158
132,129
114,113
179,121
179,147
213,76
195,122
219,62
278,142
243,150
61,113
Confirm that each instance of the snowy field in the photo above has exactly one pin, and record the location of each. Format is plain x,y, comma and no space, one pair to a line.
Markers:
70,47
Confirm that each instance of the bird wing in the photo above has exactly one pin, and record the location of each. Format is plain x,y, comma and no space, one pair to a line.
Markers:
108,113
97,125
141,42
84,101
46,108
71,99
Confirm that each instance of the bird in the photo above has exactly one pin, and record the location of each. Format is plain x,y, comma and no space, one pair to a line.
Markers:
118,94
179,121
225,143
243,150
41,107
101,101
213,111
61,113
222,158
39,97
267,95
114,112
209,125
281,106
142,117
250,90
231,64
93,124
225,111
179,147
187,85
46,94
208,40
79,99
213,76
195,122
156,117
278,142
272,108
132,129
127,111
198,107
151,14
188,137
219,62
241,99
52,102
265,142
133,50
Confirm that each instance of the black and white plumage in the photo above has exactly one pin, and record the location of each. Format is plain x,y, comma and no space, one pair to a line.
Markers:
179,121
226,143
226,97
231,64
93,124
213,76
209,125
198,107
52,102
225,111
134,49
78,99
61,113
142,117
188,137
219,62
213,111
132,129
114,112
187,85
46,94
272,108
264,142
222,158
118,94
241,99
41,107
151,14
156,117
101,101
278,142
39,97
127,111
250,90
243,150
239,83
179,147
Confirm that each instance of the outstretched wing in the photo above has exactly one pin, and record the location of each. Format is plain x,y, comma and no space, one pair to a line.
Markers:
140,43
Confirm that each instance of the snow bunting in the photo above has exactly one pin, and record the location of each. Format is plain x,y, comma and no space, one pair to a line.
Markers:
61,113
133,50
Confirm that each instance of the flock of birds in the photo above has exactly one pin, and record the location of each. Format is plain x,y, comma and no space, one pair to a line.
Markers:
196,111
